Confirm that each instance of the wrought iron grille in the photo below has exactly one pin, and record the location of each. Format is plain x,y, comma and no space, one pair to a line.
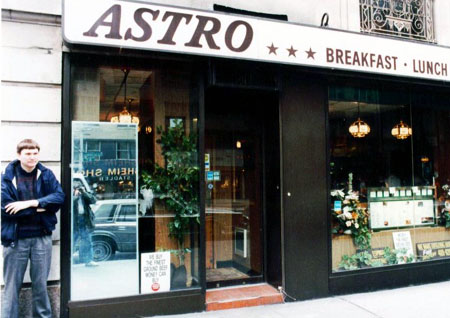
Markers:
402,18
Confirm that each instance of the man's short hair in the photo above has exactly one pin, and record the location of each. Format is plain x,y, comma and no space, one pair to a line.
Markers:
27,144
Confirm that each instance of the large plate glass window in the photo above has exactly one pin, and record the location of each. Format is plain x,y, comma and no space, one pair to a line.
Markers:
135,181
389,176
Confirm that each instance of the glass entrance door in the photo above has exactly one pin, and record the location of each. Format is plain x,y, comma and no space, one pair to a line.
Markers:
234,164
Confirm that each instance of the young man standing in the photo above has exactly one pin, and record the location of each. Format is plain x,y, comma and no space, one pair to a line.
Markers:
31,196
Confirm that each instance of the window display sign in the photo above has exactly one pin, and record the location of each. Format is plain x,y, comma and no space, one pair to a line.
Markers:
207,162
403,243
433,250
128,24
155,272
399,208
377,254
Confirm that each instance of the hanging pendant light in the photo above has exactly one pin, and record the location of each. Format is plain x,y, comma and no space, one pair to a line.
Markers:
401,131
125,116
359,128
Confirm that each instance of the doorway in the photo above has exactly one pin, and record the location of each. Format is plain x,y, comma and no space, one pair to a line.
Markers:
242,187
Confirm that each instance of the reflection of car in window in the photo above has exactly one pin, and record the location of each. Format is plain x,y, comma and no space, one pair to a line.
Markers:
127,213
115,228
105,212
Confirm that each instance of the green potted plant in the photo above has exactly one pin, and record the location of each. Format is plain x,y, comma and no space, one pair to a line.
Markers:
176,184
399,256
361,259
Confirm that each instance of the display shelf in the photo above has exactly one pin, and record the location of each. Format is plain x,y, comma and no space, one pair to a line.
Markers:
343,244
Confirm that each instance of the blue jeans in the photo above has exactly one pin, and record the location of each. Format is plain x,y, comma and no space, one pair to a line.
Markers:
15,259
85,241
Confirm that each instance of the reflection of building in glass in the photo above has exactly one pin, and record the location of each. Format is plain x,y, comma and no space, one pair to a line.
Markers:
108,163
104,149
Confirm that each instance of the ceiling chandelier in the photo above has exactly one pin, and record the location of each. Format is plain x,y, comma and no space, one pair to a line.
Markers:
359,128
401,131
125,116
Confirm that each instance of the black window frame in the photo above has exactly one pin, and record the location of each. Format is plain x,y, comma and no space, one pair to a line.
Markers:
143,304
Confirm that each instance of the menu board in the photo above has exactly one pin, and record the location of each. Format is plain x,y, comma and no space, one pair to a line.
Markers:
401,210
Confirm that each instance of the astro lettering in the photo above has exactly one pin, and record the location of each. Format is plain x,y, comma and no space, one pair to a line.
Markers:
206,30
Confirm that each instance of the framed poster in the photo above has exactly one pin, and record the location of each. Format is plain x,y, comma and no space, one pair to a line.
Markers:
401,207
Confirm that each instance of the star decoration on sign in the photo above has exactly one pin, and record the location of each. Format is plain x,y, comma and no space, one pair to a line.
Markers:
292,51
272,49
310,54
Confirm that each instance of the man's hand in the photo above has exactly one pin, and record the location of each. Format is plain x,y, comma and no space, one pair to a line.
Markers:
17,206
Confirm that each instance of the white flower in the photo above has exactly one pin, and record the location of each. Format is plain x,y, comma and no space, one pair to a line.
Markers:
347,232
346,209
352,196
348,223
447,205
339,193
356,225
348,215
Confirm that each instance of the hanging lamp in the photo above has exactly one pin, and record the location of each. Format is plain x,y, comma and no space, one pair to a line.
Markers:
125,116
359,128
401,131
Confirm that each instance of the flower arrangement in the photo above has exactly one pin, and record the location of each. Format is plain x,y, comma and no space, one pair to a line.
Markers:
350,218
445,212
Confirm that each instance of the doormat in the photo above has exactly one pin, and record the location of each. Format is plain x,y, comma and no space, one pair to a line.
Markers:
224,273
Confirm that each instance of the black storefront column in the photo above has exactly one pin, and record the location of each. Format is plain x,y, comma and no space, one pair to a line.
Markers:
303,105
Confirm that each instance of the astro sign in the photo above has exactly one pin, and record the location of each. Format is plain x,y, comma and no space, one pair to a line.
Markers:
206,27
144,26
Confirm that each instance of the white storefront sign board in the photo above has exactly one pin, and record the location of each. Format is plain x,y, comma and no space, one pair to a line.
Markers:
138,25
402,242
155,272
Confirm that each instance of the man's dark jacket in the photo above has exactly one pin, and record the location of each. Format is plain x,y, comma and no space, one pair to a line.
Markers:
89,217
48,192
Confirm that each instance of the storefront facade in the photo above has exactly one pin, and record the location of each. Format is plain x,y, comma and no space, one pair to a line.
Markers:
228,150
278,149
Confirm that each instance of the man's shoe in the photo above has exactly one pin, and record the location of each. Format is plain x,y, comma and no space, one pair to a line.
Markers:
91,264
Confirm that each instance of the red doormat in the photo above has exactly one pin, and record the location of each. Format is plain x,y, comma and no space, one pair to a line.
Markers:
242,296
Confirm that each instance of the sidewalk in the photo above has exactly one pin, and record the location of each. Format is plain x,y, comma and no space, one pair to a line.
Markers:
429,300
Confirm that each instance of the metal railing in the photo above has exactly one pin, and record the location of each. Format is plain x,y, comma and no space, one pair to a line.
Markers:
411,19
